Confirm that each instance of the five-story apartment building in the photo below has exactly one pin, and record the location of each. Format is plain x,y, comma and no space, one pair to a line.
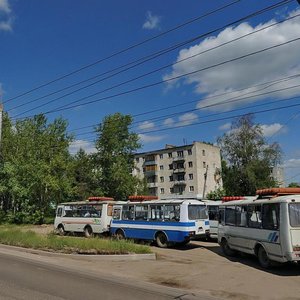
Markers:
189,170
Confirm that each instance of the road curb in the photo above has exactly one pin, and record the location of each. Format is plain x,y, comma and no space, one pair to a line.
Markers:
83,257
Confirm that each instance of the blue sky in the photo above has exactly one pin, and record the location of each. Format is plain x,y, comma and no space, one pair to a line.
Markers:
43,40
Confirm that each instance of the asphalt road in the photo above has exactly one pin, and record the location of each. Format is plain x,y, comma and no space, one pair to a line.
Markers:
21,278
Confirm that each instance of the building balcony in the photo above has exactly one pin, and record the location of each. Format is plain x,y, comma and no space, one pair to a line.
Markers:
179,159
179,170
150,163
152,184
179,182
150,172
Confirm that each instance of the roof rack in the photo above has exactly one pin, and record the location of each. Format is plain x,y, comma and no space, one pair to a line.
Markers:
101,199
275,192
141,198
232,198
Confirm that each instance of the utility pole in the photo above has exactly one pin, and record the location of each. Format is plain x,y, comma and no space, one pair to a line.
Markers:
205,179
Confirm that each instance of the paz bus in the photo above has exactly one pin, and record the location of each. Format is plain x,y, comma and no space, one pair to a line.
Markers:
89,217
167,222
268,227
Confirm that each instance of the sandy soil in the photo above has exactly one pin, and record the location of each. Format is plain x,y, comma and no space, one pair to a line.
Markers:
200,266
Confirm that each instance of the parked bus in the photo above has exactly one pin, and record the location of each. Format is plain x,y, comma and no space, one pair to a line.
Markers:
164,221
89,217
266,227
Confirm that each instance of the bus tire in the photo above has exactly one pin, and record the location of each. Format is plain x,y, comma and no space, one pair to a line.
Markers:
120,235
263,258
161,240
88,232
226,249
61,230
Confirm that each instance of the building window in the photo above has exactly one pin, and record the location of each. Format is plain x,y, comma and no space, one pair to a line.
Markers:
162,179
137,159
172,190
204,164
162,190
189,151
180,165
171,167
180,177
190,164
180,153
203,152
191,176
191,188
170,154
161,167
161,156
171,178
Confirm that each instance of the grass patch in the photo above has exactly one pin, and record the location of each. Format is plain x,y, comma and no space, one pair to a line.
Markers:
14,236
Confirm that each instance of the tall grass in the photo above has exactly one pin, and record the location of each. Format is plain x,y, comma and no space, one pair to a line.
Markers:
11,235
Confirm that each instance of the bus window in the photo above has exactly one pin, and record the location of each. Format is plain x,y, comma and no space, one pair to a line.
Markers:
294,211
254,216
196,212
172,213
270,216
156,212
128,212
116,213
230,215
213,212
241,215
59,212
109,210
141,212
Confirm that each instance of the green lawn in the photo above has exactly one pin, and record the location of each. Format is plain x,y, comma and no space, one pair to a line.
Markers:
17,236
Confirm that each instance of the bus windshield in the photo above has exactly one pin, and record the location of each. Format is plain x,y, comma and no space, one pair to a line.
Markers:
294,210
196,212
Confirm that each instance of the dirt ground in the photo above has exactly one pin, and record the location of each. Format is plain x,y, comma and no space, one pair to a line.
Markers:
200,266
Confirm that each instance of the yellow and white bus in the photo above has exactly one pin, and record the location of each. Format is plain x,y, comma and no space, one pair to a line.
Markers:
268,227
89,217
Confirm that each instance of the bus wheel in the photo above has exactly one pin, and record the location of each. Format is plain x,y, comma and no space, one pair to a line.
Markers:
263,258
161,240
61,230
226,249
120,235
88,232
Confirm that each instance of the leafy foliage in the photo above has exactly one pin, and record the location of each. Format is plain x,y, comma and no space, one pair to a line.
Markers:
216,195
248,159
115,157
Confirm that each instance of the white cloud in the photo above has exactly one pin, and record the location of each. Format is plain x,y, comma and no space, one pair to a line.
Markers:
146,138
187,119
152,21
4,6
88,147
146,125
253,70
169,122
292,163
6,18
225,126
272,129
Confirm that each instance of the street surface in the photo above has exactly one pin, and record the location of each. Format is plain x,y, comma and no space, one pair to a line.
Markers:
197,271
25,279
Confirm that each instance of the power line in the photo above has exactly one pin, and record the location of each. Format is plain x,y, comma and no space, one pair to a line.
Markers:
272,82
148,58
126,49
172,78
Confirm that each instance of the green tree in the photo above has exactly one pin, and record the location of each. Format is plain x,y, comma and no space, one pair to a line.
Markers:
294,185
248,159
116,146
35,167
86,176
216,194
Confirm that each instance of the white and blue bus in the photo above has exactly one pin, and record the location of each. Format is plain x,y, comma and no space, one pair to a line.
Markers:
167,222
